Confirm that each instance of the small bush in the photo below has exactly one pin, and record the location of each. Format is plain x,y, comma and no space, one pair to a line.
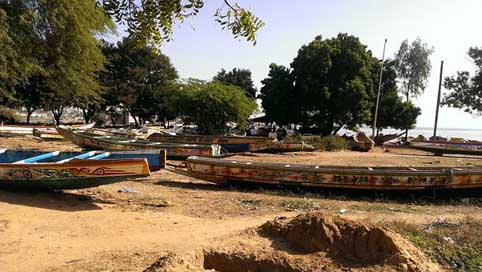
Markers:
8,115
332,143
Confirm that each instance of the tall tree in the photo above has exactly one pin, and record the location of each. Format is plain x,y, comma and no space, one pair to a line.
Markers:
135,78
237,77
72,57
278,96
212,105
393,112
30,94
18,45
151,21
333,80
412,63
466,91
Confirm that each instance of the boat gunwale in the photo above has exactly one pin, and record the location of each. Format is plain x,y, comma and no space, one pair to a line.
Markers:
444,142
331,169
137,143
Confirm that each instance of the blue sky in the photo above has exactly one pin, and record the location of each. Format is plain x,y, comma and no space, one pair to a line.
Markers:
200,49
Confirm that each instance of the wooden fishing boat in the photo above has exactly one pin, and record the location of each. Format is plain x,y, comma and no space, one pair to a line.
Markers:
282,146
381,139
448,147
229,143
221,171
36,130
71,173
95,141
363,142
156,158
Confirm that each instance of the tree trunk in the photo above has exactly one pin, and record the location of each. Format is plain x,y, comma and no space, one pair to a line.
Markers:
86,116
135,120
30,110
57,114
112,119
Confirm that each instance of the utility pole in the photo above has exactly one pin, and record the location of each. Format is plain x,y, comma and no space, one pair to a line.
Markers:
375,117
438,99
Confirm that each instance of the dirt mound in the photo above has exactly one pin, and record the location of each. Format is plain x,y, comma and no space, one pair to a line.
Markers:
308,242
172,262
348,242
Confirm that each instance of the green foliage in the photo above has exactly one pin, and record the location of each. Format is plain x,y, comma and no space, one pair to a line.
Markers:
412,63
151,21
278,96
466,91
56,41
30,94
333,83
332,143
212,105
463,254
237,77
136,79
8,115
17,45
393,112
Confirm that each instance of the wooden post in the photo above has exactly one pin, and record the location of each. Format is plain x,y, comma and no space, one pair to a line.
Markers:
438,99
375,117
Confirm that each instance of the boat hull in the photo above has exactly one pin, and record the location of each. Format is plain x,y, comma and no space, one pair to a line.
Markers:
75,174
155,158
92,141
439,147
229,143
377,178
288,147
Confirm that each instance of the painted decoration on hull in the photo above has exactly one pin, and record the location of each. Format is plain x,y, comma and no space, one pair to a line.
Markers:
52,173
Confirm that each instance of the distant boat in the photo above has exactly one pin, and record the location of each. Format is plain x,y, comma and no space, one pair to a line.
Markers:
448,147
363,142
72,173
36,130
95,141
282,146
381,139
229,143
221,171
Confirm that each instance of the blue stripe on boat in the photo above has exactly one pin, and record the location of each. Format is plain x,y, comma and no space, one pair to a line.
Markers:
100,156
39,158
81,156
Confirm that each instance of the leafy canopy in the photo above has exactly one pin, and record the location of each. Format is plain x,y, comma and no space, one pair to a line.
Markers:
466,91
278,96
333,83
135,78
412,63
393,112
238,77
55,41
211,106
151,21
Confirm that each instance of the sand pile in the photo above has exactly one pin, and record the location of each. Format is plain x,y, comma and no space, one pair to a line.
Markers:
308,242
348,242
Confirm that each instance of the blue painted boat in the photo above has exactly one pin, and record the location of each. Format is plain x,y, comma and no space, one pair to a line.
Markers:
155,158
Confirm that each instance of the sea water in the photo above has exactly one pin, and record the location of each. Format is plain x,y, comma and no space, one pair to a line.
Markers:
427,132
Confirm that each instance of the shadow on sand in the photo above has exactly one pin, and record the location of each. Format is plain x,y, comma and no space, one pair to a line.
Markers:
58,200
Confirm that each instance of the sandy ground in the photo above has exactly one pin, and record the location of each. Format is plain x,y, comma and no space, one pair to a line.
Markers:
103,229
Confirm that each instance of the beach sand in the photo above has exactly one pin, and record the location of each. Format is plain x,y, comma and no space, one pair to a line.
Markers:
105,229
